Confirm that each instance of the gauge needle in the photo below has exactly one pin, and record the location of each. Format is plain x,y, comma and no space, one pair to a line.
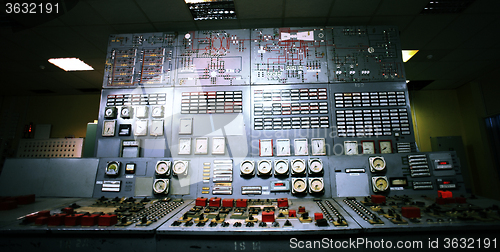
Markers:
183,147
200,147
384,148
217,147
282,148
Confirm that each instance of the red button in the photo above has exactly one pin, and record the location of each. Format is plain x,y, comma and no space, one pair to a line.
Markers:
410,212
214,202
377,199
283,202
318,216
107,220
227,203
89,220
268,216
292,213
241,203
201,202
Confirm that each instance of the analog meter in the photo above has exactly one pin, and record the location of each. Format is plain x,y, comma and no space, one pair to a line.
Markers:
264,167
298,166
380,184
280,167
180,167
160,186
247,168
163,168
377,164
299,185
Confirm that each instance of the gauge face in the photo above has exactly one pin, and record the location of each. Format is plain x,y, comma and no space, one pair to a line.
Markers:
264,167
368,147
266,147
280,167
141,111
186,126
156,128
157,111
300,147
184,146
219,145
315,166
299,185
282,147
377,164
247,167
141,127
163,168
161,186
318,147
298,166
180,167
316,185
110,112
201,146
351,147
109,128
385,146
112,168
380,184
126,111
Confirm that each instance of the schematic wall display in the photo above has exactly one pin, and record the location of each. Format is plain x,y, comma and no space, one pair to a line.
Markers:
266,147
219,145
108,129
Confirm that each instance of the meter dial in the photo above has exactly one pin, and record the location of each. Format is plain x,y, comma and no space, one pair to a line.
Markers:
368,147
126,112
141,127
299,185
141,111
351,147
161,186
281,167
377,164
163,167
113,168
156,128
385,146
157,111
180,167
315,166
282,147
380,184
318,147
266,147
109,128
264,167
110,113
201,145
247,168
316,185
184,146
300,147
219,145
298,166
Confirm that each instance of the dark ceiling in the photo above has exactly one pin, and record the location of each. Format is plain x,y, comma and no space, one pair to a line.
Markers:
454,48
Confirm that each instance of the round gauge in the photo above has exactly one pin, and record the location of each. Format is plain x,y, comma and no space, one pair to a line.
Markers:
109,112
264,167
163,168
380,184
157,111
112,168
315,166
316,185
298,166
299,185
180,167
377,164
247,167
160,186
125,112
281,167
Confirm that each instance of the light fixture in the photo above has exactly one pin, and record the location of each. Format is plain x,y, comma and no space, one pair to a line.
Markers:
70,64
407,54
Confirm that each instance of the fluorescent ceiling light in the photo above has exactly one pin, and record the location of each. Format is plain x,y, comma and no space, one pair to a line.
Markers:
71,64
407,54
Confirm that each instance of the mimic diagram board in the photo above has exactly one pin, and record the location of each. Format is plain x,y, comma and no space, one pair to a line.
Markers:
264,56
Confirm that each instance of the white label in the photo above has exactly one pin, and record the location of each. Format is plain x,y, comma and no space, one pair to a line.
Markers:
98,182
265,193
129,176
353,174
396,188
265,188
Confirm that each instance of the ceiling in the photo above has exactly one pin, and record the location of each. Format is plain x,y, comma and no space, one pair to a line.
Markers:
454,48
